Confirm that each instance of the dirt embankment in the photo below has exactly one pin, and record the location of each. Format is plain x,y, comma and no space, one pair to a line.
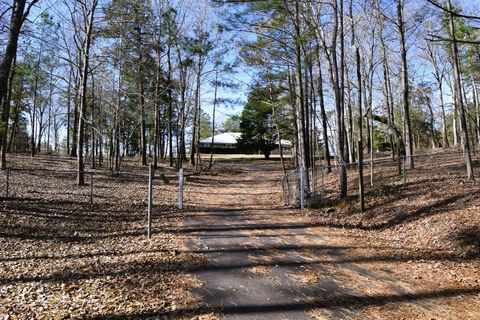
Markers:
433,223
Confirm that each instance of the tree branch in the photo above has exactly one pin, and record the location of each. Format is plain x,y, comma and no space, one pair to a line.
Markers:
456,14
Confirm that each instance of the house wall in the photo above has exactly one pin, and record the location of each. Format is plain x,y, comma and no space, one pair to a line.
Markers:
218,148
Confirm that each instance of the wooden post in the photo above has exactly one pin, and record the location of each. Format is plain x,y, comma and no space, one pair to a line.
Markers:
180,188
150,200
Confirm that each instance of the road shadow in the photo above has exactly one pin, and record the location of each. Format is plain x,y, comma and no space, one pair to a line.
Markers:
355,302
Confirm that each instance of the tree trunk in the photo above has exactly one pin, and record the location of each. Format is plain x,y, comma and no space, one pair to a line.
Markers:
143,139
405,88
349,129
16,118
299,102
20,11
74,150
49,121
455,113
170,118
92,125
213,117
334,75
461,108
439,76
198,162
342,80
5,117
388,100
477,108
444,118
181,154
195,123
293,100
432,124
342,171
326,152
368,138
306,110
69,107
361,186
312,114
157,114
89,16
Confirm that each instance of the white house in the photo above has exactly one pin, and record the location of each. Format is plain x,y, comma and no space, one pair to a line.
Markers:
222,143
227,143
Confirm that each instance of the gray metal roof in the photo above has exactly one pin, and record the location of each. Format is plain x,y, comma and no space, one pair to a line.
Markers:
223,138
232,138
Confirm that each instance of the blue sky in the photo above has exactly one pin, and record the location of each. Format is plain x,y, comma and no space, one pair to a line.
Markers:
244,76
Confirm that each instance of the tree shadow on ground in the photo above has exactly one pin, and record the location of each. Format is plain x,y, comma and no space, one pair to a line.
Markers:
469,239
333,301
81,255
66,235
404,217
408,213
243,258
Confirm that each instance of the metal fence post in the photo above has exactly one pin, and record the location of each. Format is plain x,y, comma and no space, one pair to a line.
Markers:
150,200
91,187
180,188
7,190
302,187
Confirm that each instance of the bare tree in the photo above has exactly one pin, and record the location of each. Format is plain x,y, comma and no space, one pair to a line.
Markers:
405,88
458,92
88,13
20,10
439,74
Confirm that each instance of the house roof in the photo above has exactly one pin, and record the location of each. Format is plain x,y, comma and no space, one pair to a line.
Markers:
232,138
223,138
286,143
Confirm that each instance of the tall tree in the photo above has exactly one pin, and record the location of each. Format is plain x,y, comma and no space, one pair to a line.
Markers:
88,14
257,123
20,10
458,92
405,87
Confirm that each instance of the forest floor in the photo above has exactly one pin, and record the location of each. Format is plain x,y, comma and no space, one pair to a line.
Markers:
63,257
233,253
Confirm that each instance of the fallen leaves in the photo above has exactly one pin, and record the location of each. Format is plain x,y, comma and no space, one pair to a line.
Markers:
65,258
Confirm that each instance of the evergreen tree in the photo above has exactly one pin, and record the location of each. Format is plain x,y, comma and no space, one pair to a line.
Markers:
257,125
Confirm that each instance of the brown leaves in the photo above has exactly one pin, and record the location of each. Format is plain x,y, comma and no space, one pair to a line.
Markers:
64,258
